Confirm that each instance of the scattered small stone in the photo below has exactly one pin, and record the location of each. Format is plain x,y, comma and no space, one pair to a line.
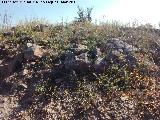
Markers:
23,85
25,72
124,97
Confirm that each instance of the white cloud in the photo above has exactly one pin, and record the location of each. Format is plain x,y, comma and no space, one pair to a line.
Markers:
145,11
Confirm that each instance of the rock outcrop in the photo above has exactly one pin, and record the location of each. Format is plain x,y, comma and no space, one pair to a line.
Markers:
97,60
76,59
11,64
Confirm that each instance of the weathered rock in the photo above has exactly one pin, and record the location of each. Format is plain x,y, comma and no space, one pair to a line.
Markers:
16,64
97,60
92,55
11,66
3,52
39,27
5,71
118,44
155,50
25,72
58,71
82,57
11,61
117,52
33,51
81,67
69,60
9,34
24,39
75,53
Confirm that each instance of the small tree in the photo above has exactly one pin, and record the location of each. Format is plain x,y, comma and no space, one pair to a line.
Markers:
84,15
89,11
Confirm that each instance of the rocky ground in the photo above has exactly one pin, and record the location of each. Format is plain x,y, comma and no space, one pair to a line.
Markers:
111,80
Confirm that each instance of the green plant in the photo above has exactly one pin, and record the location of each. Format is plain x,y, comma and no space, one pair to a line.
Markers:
84,15
40,88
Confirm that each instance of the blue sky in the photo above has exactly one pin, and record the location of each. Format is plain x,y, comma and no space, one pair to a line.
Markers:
145,11
53,13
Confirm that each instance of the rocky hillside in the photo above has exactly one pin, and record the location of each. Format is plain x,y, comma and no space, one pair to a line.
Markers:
79,71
